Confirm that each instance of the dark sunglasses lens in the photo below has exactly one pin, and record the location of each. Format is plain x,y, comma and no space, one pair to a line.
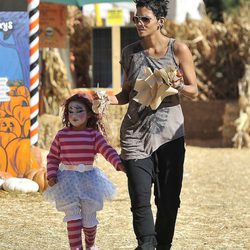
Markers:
145,19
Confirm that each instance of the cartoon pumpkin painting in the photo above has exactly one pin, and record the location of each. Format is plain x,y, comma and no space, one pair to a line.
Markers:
16,153
14,133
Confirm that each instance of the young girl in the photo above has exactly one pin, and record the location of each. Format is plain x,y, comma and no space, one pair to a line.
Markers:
77,187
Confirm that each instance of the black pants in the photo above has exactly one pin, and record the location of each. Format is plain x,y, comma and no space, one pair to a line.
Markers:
165,169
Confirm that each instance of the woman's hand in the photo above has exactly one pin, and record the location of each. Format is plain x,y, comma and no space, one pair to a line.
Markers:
100,102
52,181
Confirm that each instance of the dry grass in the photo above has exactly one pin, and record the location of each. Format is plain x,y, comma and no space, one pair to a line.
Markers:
214,213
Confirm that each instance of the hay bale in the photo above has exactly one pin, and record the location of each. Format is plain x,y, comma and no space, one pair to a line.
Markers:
48,127
228,129
112,122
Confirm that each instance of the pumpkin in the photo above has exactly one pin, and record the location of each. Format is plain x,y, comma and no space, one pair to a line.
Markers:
5,138
3,160
24,185
23,90
20,158
10,124
26,128
2,113
21,113
15,101
39,176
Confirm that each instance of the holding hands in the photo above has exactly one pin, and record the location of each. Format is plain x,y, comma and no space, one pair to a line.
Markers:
120,167
52,181
100,102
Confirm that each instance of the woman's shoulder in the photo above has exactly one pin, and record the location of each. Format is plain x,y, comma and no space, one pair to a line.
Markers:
132,47
180,47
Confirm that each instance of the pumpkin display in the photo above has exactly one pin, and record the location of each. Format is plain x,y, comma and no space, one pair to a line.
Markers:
23,185
3,159
39,176
23,90
26,128
2,113
15,101
21,113
10,124
6,137
20,158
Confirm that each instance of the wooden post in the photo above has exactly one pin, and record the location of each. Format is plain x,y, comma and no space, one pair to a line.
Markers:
116,53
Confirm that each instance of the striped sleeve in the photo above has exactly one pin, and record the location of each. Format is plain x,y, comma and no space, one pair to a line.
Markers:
109,153
53,158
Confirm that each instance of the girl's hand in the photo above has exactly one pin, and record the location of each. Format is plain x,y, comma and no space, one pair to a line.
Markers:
52,181
120,167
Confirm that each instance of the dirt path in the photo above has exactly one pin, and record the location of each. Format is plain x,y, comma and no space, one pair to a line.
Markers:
214,213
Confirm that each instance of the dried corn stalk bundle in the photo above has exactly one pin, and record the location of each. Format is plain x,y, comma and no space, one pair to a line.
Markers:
220,52
57,87
80,35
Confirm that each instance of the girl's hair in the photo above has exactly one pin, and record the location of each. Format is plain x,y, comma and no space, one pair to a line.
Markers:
159,7
93,120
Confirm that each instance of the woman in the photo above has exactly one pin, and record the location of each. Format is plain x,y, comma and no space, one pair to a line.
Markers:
152,136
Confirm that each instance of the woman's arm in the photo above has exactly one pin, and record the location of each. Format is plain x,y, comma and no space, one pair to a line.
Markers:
185,60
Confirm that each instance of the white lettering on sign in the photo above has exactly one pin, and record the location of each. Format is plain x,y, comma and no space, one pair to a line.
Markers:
4,89
6,26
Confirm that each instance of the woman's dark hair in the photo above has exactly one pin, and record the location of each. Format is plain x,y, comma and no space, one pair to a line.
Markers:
159,7
87,101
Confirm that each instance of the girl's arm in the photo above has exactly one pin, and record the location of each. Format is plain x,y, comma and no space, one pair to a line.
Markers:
108,152
185,60
53,159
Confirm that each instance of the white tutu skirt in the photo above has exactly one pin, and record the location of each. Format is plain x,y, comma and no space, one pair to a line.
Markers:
85,189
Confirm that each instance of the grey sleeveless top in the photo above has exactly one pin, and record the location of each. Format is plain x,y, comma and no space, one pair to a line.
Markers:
143,130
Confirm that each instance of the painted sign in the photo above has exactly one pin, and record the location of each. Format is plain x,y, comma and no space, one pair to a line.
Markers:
115,17
14,93
4,97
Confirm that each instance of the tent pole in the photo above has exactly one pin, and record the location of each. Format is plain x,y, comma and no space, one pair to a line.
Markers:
34,68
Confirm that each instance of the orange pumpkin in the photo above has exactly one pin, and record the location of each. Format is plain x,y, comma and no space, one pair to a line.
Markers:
39,176
10,124
6,137
15,101
26,128
20,159
12,92
2,113
23,90
21,113
3,161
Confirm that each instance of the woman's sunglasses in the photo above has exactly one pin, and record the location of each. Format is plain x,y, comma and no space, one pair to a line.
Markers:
143,19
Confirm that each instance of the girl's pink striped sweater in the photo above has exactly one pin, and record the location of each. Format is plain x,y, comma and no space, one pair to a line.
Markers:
72,147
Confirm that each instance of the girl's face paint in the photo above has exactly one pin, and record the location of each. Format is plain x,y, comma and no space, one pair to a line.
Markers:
78,115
